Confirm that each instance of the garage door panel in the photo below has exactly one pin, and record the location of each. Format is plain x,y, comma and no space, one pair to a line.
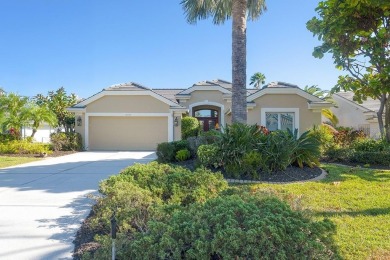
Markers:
127,133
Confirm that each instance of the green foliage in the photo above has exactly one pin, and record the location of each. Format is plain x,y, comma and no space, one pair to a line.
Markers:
39,115
234,227
237,140
257,80
195,141
208,155
189,127
165,152
307,149
371,158
183,155
14,110
66,141
135,192
276,151
325,136
345,136
23,147
251,164
356,33
370,145
7,137
58,101
338,154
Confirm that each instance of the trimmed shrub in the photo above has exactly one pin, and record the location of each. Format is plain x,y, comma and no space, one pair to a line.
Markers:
372,158
189,127
195,141
166,152
66,141
183,155
234,227
339,154
24,147
370,145
180,145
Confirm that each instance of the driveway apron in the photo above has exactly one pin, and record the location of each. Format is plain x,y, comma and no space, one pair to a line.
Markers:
43,203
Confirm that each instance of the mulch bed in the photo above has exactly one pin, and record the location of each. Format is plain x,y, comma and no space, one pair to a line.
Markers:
291,174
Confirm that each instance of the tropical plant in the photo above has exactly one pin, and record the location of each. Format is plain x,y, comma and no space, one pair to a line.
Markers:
307,149
38,115
15,113
257,80
58,101
357,35
239,10
182,155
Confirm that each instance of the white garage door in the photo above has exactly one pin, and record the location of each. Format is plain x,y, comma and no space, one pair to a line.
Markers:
127,133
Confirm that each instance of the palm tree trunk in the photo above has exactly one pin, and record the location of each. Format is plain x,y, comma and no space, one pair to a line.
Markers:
239,113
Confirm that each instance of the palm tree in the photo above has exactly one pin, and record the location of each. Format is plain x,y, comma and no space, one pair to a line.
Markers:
40,114
257,80
325,95
14,110
221,10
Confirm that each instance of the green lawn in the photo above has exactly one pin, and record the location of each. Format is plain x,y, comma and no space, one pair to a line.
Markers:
6,161
356,200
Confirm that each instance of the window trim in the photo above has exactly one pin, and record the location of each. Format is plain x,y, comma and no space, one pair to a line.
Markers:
263,120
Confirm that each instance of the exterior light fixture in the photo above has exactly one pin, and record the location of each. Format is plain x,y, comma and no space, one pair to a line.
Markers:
79,121
176,121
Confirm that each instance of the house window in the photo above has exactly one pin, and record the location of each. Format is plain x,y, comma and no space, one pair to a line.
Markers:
279,121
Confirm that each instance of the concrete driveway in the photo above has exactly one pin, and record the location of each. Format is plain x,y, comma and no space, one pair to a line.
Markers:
42,204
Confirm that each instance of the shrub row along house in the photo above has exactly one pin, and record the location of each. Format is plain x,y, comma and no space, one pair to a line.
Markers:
133,117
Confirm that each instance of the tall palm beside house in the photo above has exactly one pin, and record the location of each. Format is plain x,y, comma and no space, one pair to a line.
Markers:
221,10
325,95
257,80
39,115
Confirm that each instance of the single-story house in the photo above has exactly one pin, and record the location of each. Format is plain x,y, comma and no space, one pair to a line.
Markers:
133,117
358,116
42,135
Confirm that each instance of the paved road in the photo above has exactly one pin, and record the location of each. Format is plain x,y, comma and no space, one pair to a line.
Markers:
43,203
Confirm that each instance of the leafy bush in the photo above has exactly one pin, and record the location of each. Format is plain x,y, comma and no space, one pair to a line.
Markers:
306,150
237,140
277,151
346,136
7,137
251,164
339,154
208,155
189,127
195,141
166,152
234,227
66,141
183,155
370,145
325,135
24,147
363,157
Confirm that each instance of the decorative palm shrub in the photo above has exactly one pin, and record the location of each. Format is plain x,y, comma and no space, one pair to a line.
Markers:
306,149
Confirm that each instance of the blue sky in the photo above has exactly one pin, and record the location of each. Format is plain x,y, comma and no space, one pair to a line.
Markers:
87,45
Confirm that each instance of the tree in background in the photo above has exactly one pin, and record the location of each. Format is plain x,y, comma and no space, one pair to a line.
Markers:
357,33
39,114
221,10
15,113
257,80
58,101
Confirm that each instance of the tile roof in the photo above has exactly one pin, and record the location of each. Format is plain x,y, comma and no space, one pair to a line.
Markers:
369,104
279,84
168,93
129,86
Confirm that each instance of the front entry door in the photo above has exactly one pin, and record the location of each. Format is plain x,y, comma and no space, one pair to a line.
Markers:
208,119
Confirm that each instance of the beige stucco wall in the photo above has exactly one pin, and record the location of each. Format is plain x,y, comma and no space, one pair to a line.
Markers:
307,118
177,129
80,129
350,115
127,133
126,103
206,98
